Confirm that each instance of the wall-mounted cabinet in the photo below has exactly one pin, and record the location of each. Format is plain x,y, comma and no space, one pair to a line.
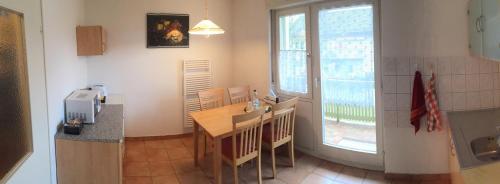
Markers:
484,28
91,40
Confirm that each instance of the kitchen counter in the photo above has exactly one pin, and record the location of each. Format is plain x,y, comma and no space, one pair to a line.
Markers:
108,127
469,125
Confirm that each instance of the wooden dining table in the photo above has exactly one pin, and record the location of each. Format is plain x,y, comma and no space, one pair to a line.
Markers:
218,124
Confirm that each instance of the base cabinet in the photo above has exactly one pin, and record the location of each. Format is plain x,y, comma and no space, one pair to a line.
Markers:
82,162
456,176
485,174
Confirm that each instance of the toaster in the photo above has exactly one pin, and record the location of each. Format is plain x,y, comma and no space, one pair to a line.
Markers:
83,105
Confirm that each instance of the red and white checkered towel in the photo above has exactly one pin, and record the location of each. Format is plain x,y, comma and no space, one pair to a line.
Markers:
433,113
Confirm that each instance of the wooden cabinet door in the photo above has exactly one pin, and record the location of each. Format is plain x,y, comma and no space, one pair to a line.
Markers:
90,40
475,33
490,25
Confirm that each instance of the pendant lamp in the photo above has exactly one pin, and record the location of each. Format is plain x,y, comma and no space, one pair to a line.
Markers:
206,26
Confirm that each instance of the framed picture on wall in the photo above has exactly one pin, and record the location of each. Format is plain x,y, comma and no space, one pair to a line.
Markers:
16,143
166,30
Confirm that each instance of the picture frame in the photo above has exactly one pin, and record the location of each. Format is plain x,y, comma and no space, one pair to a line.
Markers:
167,30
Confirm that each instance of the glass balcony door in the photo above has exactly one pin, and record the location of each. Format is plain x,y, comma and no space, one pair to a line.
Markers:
327,54
345,76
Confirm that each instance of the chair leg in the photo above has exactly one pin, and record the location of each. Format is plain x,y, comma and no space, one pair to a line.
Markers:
291,153
259,170
204,144
273,158
235,173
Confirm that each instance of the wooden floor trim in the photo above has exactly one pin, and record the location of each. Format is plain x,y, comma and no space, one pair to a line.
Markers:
149,138
420,177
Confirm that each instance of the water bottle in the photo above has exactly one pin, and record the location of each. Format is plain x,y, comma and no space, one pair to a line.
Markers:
255,99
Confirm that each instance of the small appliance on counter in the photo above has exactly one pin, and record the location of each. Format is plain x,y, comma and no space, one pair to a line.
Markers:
83,105
73,127
103,92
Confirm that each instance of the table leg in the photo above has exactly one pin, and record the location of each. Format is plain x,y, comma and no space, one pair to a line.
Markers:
196,132
217,161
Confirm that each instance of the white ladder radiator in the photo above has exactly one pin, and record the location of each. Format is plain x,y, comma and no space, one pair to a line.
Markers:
197,77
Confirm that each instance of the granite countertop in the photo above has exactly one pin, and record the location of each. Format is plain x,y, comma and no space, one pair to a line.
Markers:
107,128
469,125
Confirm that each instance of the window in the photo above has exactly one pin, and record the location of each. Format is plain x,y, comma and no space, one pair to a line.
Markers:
292,53
15,117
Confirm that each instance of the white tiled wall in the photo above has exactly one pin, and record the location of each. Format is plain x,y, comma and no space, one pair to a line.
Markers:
462,83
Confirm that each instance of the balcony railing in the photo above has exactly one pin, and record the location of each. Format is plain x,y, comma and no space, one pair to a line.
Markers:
349,101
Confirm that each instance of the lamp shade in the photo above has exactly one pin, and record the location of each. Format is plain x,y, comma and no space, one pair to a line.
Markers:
206,27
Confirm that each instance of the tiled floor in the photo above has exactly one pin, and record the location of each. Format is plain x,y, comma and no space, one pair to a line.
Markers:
170,162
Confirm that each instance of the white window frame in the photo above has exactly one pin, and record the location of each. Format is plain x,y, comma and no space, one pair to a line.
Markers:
276,49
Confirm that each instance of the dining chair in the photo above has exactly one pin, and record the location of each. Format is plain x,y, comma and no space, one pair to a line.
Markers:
239,94
245,143
210,99
280,130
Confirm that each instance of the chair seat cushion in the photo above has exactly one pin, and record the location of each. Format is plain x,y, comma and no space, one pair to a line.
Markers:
266,133
227,147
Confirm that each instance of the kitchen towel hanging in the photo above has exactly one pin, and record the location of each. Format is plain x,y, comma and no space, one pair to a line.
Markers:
418,108
433,113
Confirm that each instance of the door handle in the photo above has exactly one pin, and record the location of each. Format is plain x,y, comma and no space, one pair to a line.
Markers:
317,82
481,23
478,28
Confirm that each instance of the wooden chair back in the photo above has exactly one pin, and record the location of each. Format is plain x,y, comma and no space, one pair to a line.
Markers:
239,94
211,98
283,121
249,129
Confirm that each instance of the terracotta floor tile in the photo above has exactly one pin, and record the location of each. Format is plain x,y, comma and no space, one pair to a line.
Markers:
134,145
308,162
137,180
173,143
437,181
293,175
375,177
317,179
161,168
135,156
179,153
227,175
351,175
137,169
267,181
170,161
404,182
329,170
248,172
154,144
184,165
196,177
157,155
188,141
168,179
200,150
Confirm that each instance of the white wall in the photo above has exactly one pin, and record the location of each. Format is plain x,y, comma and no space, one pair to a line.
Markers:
250,54
431,34
65,70
151,79
36,169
